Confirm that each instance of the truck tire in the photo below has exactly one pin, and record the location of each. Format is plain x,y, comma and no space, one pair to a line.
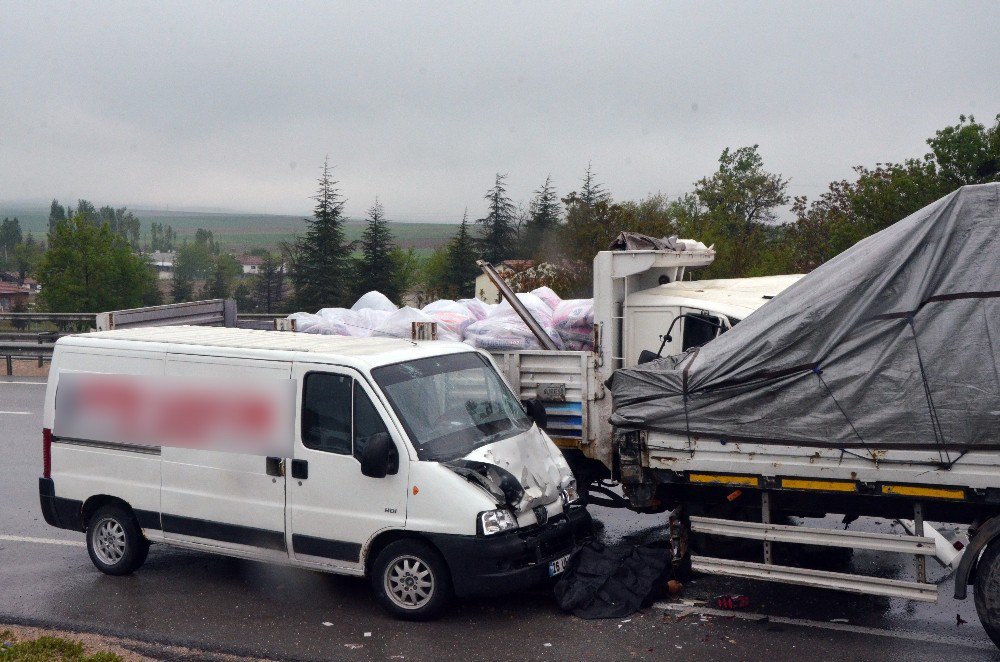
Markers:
986,591
411,581
115,541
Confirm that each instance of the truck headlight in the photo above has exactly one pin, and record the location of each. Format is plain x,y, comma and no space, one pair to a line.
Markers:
496,521
569,493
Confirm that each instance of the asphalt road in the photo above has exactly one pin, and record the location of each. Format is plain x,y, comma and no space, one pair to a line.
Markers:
218,604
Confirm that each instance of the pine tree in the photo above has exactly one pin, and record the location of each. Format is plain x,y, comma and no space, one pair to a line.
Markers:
376,269
592,192
544,216
268,288
57,213
323,268
498,234
461,270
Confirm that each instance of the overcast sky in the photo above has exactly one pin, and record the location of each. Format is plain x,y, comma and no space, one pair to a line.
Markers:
235,105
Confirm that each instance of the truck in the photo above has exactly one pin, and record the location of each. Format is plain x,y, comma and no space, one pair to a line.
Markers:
866,389
646,304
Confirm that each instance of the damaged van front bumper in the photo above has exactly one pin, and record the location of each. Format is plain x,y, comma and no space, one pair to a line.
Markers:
515,560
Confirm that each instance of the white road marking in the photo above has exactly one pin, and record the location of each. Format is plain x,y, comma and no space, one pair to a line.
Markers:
44,541
826,625
36,383
17,412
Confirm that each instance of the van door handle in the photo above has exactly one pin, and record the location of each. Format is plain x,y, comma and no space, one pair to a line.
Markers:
300,469
275,466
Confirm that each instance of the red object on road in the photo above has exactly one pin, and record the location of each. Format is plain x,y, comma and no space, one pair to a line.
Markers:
732,601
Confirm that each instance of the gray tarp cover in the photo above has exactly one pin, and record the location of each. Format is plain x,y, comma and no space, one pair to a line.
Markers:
895,343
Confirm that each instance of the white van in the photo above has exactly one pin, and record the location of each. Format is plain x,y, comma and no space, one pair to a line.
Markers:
411,463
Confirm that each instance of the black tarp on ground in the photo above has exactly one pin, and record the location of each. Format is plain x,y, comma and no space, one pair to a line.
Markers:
605,582
895,343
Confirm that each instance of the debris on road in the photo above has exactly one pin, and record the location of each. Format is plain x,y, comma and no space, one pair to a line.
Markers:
732,601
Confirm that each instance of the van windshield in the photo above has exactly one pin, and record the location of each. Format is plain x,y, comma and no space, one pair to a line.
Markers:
451,404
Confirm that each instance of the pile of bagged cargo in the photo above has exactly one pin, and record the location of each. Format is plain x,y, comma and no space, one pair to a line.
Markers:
492,327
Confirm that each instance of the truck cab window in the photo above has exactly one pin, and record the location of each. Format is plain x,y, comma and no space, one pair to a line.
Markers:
699,328
326,413
368,422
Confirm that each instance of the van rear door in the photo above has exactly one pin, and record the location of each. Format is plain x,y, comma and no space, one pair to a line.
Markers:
221,499
333,510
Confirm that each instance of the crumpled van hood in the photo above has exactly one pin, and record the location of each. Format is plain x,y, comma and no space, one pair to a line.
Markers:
534,461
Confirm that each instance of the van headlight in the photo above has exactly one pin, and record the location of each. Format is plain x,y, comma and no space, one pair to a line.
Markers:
569,493
496,521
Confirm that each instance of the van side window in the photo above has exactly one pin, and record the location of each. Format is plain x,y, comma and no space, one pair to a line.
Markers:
368,422
326,413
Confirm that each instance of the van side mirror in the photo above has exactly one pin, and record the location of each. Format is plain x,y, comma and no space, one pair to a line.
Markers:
536,412
375,455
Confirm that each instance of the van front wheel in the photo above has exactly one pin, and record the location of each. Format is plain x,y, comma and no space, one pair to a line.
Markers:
115,541
411,580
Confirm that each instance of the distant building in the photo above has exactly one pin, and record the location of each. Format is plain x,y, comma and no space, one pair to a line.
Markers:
163,262
12,295
250,263
29,284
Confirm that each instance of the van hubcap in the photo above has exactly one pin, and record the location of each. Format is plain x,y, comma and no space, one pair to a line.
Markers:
409,582
109,541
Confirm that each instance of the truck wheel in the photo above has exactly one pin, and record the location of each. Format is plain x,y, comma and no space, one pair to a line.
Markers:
411,580
987,591
115,541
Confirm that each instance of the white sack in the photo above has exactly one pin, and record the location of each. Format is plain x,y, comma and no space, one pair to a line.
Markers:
374,300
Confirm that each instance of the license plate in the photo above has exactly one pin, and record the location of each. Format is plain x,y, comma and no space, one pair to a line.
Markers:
558,566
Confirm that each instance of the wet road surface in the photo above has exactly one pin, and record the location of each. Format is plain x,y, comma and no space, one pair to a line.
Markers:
216,603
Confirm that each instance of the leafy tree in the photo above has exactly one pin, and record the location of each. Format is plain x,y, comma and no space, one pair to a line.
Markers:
225,270
194,261
741,200
122,222
267,291
376,268
497,234
460,263
85,211
10,235
90,269
964,153
407,267
435,274
205,238
56,213
26,256
162,237
322,261
967,153
182,287
544,217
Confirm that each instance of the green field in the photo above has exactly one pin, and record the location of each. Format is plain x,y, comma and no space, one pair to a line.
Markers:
237,233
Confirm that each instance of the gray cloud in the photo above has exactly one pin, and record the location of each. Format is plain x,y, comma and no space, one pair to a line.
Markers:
235,105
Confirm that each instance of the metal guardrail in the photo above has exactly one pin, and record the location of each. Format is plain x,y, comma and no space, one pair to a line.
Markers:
20,345
11,351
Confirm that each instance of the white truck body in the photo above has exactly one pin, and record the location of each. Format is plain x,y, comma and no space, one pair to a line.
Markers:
637,295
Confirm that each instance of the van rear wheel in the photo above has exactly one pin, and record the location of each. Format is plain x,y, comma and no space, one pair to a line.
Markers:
411,580
115,541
